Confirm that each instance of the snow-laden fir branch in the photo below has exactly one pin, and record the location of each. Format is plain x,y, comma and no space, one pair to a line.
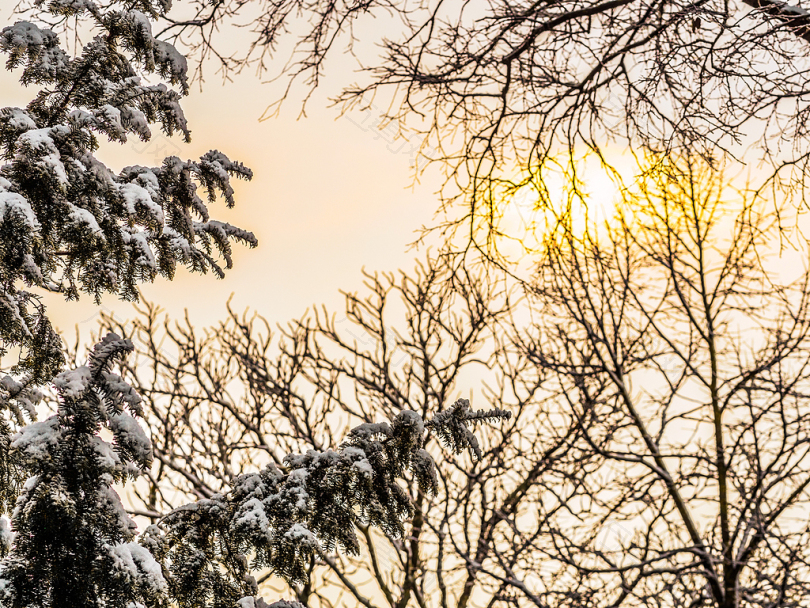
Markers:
73,541
285,518
70,224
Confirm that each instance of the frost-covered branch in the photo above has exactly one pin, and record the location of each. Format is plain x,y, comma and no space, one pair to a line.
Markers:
73,541
225,399
70,224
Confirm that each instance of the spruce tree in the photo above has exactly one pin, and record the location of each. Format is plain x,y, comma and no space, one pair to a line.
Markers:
73,543
68,223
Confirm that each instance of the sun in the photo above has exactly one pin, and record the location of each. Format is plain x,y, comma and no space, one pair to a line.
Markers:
583,191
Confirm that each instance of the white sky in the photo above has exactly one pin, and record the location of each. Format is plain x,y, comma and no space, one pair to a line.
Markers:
329,196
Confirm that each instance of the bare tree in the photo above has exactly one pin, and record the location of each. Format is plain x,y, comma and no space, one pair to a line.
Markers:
233,398
670,336
504,90
657,369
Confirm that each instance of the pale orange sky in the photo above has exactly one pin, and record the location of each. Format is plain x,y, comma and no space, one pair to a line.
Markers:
329,196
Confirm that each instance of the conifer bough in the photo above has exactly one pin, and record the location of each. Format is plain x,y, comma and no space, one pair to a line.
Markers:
68,223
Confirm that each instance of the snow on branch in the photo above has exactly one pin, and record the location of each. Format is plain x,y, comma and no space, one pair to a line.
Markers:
284,518
451,426
70,224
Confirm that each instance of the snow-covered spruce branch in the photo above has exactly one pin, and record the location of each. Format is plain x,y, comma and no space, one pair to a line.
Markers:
18,400
74,541
795,18
285,518
451,426
70,224
72,537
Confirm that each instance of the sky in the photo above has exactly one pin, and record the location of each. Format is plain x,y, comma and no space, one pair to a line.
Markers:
330,196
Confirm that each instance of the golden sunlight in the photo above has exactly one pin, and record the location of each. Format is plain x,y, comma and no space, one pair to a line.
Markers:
583,190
